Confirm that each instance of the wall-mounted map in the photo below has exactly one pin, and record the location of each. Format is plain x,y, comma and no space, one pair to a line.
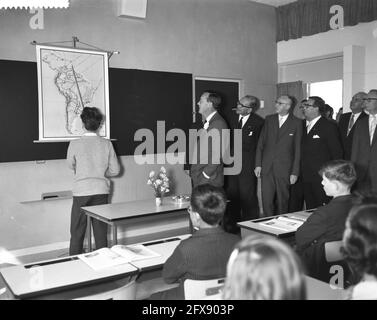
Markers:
69,80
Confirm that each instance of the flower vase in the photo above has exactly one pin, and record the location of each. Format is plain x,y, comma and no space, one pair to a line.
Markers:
158,201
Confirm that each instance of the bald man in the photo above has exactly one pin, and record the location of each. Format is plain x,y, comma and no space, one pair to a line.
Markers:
278,156
348,121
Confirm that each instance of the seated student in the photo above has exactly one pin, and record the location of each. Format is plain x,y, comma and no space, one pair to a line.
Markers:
92,159
204,255
264,268
327,223
360,248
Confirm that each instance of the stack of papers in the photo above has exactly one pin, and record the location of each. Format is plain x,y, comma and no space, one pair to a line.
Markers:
283,223
117,255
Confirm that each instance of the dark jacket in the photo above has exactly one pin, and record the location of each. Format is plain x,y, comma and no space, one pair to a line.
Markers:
204,161
250,135
364,155
326,224
321,145
203,256
280,148
343,129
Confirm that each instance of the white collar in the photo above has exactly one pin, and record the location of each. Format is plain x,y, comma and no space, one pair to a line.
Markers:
210,116
313,121
283,117
90,134
244,118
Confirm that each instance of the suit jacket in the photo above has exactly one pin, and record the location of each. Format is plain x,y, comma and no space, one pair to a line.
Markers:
363,154
343,128
203,256
322,144
214,168
250,135
279,149
326,224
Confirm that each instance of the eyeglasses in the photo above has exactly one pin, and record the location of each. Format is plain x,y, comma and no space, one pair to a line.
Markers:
279,102
306,105
242,105
369,99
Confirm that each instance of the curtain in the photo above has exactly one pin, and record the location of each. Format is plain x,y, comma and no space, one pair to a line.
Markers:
296,89
308,17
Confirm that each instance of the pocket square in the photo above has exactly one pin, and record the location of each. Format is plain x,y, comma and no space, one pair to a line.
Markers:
250,133
316,137
291,134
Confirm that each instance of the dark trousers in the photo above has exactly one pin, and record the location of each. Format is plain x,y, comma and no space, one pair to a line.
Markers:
242,193
79,223
275,194
296,196
314,195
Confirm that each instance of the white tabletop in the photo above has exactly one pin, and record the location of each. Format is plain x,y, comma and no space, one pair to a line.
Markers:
255,226
165,247
132,209
28,282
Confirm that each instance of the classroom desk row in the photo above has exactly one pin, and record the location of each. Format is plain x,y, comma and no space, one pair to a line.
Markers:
71,278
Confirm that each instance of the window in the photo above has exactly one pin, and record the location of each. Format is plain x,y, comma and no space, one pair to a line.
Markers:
330,91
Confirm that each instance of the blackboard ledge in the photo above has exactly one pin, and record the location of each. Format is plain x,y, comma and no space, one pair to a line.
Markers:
44,200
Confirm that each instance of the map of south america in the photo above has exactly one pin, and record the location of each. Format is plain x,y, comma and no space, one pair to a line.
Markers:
78,79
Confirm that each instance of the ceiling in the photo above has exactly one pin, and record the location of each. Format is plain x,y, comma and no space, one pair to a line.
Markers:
275,3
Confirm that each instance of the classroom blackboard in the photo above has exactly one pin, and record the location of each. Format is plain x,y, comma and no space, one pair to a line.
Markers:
138,99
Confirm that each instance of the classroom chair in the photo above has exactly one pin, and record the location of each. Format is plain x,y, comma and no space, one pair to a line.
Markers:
203,289
124,290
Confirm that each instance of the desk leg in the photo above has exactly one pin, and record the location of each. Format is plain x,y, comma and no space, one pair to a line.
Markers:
115,235
89,223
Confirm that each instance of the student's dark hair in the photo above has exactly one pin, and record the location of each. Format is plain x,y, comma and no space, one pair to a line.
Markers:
339,170
91,118
215,98
318,103
360,239
209,202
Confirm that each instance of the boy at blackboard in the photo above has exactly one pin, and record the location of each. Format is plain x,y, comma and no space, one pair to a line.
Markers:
93,159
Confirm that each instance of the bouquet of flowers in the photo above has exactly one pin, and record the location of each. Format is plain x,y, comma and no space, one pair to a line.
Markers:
159,182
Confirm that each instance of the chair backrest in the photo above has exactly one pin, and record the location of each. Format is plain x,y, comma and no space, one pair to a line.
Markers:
203,289
332,251
121,292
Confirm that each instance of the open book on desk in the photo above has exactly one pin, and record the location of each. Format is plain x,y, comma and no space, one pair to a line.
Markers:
288,224
117,255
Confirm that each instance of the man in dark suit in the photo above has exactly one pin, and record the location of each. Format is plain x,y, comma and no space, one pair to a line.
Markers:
242,188
327,223
320,144
205,254
207,161
348,121
364,146
278,156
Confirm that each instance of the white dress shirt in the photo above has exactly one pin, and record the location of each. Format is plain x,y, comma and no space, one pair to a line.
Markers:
244,119
282,119
310,124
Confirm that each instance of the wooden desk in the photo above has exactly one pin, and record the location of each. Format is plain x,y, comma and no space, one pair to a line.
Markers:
117,213
70,277
252,226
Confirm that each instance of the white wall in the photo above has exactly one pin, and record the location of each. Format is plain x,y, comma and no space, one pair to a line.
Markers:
357,44
214,38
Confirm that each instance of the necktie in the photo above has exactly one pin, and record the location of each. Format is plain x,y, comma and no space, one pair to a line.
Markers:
308,127
280,122
350,124
240,123
372,127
